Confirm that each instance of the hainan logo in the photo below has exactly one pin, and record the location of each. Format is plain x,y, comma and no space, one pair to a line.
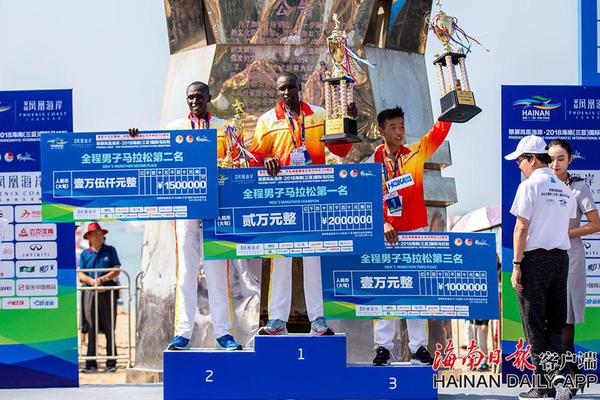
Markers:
57,143
563,202
536,108
221,179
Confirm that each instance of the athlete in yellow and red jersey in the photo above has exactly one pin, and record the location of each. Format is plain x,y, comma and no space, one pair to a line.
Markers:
290,126
404,210
290,134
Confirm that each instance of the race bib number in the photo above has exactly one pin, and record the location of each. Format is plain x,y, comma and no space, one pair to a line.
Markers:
300,156
393,201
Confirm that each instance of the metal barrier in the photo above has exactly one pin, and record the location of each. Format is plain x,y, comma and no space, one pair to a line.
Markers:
460,334
138,287
112,290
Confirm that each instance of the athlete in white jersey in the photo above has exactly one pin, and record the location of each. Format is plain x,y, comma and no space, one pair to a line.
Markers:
189,242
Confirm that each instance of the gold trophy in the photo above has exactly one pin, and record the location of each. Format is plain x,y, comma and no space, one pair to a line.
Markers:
457,102
339,126
236,155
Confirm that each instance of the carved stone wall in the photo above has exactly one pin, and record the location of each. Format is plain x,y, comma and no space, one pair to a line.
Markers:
239,47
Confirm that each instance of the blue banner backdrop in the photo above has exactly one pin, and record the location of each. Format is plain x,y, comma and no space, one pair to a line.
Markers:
552,112
38,300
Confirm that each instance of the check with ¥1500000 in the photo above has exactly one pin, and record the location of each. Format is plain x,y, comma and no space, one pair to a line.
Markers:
113,176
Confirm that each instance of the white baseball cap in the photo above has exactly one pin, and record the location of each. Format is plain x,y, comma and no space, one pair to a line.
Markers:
528,145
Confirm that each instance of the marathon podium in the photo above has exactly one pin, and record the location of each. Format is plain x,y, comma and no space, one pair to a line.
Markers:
289,367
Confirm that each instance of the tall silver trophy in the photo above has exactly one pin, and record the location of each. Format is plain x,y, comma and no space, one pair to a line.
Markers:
457,101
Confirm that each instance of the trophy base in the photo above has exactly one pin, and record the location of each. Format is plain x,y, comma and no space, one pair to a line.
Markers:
458,106
340,138
340,131
455,58
338,79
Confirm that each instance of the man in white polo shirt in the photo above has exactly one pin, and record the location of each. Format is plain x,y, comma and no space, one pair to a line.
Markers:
543,206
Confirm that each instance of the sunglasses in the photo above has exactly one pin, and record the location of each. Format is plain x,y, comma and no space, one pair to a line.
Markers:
520,159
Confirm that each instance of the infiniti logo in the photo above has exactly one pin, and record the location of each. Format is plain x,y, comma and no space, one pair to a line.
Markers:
35,247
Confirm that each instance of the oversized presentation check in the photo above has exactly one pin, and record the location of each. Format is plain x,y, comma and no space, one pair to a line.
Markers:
424,275
304,211
112,176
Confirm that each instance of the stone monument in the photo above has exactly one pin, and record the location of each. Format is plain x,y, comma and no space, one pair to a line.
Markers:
238,47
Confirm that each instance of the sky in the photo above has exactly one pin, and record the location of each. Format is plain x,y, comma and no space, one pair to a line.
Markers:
114,54
532,42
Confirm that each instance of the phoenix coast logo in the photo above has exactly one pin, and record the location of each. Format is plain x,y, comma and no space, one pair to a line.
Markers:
536,108
4,108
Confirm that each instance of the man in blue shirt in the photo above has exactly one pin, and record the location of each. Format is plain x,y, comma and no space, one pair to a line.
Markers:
99,255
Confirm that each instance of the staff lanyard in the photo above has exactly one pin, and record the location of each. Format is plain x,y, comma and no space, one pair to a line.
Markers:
293,129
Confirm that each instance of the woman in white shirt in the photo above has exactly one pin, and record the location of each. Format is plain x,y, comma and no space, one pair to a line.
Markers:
562,155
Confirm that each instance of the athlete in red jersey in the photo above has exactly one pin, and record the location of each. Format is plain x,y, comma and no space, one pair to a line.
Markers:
404,210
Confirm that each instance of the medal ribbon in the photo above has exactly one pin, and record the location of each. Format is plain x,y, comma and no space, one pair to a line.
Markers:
293,127
386,163
458,36
239,143
201,123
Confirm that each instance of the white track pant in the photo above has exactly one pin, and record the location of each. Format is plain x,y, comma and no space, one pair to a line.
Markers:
385,331
189,257
219,295
280,288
